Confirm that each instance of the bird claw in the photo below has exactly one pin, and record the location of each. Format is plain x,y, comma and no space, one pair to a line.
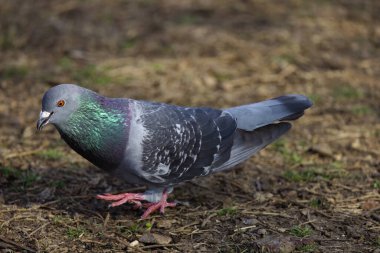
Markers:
162,204
136,198
120,199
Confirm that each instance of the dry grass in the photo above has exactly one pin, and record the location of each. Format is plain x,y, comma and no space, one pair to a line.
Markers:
316,190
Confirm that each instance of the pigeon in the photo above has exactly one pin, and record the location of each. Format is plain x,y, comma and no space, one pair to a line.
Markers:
159,145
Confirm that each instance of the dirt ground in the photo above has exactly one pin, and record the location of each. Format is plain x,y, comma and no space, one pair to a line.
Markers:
315,190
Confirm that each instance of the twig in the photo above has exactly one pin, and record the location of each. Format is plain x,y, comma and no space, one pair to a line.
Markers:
14,218
307,222
106,220
38,229
91,241
268,214
25,153
205,221
17,245
186,226
244,228
161,245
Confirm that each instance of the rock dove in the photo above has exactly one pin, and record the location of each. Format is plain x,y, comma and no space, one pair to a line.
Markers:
160,145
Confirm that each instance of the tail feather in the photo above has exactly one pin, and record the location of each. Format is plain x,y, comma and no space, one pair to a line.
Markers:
248,143
252,116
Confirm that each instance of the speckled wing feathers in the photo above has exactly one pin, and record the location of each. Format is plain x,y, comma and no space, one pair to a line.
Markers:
182,143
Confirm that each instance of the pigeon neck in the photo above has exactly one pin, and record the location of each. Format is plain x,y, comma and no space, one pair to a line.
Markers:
98,130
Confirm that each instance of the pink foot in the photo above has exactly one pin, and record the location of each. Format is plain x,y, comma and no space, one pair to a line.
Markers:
120,199
152,207
136,198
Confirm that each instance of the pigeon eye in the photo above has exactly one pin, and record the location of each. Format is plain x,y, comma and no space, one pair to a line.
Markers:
61,103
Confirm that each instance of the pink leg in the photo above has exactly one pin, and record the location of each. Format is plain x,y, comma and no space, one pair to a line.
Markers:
120,199
152,207
136,198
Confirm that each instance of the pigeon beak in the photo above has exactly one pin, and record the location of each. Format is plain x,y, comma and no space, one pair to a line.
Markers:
44,119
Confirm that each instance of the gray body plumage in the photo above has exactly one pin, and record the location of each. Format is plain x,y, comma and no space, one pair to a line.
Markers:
161,145
171,144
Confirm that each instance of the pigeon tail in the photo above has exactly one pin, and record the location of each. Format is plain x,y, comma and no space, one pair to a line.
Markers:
284,108
247,143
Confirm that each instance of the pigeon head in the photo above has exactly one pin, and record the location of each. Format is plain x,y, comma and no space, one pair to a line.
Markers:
58,103
93,125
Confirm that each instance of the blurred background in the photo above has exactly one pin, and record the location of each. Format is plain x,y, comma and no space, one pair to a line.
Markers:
316,190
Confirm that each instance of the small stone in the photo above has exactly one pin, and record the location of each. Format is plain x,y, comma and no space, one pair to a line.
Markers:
28,132
147,238
260,197
46,194
276,244
152,238
292,194
305,211
262,231
263,197
369,205
210,81
162,239
322,149
356,144
165,224
134,243
250,221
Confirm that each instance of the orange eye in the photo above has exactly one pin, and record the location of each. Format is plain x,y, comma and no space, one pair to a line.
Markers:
61,103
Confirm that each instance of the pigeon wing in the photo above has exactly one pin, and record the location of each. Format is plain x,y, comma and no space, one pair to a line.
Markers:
183,143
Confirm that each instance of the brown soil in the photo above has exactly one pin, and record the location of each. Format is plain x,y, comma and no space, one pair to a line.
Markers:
316,190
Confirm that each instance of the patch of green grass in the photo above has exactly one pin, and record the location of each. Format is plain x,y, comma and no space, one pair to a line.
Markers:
158,67
326,172
308,248
315,203
377,242
335,170
19,179
337,165
9,172
90,75
50,154
227,211
300,176
284,59
315,98
188,19
28,178
278,145
57,219
294,158
14,72
134,228
130,43
148,225
221,77
289,155
376,184
74,233
346,92
300,231
58,184
66,63
6,40
362,110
